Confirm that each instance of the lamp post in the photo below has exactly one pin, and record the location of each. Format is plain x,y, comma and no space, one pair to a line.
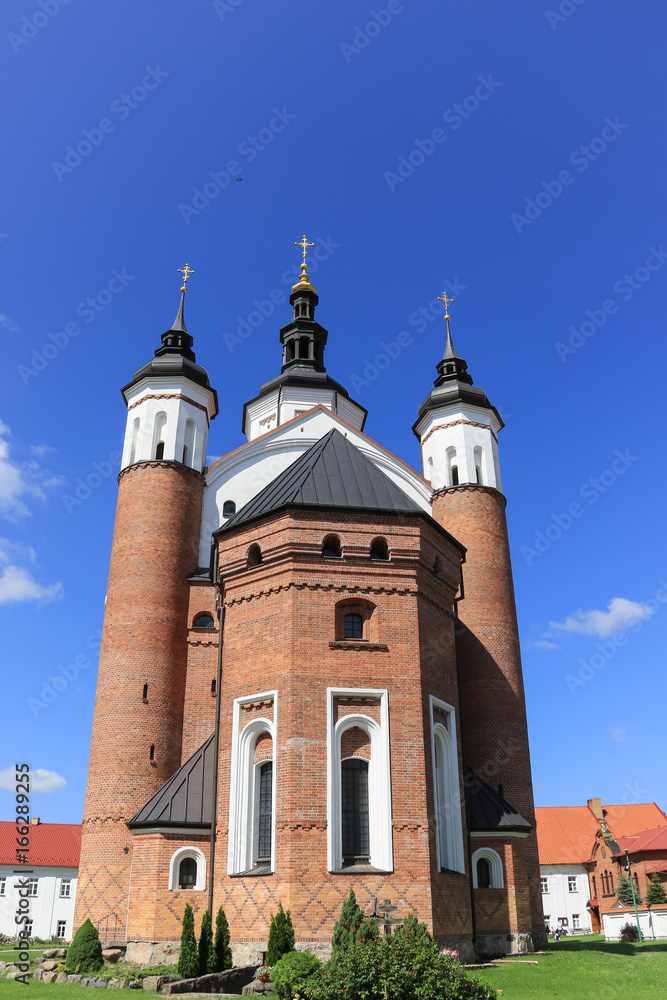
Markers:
632,886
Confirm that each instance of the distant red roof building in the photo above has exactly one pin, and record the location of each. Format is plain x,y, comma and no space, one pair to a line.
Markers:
54,844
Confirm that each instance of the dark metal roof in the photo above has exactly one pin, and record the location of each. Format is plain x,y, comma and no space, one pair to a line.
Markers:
333,473
486,810
186,799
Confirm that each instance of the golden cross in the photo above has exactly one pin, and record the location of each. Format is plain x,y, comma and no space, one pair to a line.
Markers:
186,272
446,299
303,244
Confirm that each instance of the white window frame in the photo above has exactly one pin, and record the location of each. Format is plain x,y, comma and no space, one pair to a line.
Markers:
544,884
188,852
570,887
243,792
495,867
65,884
3,885
33,886
379,779
63,924
446,790
576,921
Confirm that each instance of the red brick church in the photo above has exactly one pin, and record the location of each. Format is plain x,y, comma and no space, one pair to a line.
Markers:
353,624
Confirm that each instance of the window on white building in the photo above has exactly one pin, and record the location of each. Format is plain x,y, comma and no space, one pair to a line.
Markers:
28,928
60,929
545,884
65,887
32,886
572,883
576,922
3,885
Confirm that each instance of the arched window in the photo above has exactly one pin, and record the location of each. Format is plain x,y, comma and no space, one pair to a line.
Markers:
254,556
477,455
437,568
160,430
354,811
214,684
145,692
331,547
204,620
455,475
228,508
151,755
252,796
354,626
135,440
447,796
452,468
487,869
187,873
264,817
189,442
483,874
379,549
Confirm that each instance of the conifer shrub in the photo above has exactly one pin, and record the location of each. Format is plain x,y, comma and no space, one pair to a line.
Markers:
85,952
624,892
351,927
188,959
222,951
655,891
294,974
206,953
281,936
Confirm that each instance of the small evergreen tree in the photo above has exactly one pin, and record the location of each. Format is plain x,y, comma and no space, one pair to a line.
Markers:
655,891
85,952
206,953
188,959
413,926
222,951
350,928
624,892
281,936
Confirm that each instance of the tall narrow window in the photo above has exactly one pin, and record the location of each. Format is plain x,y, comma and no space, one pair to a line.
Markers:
265,813
152,753
354,810
135,440
483,874
379,549
254,556
160,431
477,455
189,442
447,798
144,693
354,627
228,508
455,475
187,873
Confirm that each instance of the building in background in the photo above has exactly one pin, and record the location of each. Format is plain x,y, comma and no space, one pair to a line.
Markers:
53,873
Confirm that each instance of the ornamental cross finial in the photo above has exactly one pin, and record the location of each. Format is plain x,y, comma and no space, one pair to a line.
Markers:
446,299
186,272
303,243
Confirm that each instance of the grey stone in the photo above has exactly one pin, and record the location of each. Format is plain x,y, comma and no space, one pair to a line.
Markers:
154,982
37,974
97,983
118,984
136,984
50,953
49,965
230,981
111,954
61,977
74,978
3,966
49,977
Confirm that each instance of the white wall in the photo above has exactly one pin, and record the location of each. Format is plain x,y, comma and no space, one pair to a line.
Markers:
559,902
652,922
46,908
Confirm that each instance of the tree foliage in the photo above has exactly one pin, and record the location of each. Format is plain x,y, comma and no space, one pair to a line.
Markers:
85,952
351,927
188,959
294,974
281,936
206,953
655,891
624,892
223,953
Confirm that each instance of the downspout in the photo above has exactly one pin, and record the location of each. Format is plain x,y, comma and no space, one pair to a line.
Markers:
216,738
461,597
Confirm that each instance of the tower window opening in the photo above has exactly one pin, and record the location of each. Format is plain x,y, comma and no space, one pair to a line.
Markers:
304,347
254,556
135,440
353,627
159,451
228,508
214,684
160,430
152,753
455,475
145,693
187,873
501,790
264,813
478,475
483,874
437,568
204,621
354,810
379,549
331,547
189,442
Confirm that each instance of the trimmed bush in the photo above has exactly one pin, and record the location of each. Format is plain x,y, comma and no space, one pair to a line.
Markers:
281,936
629,933
351,927
293,973
188,959
206,953
223,953
85,952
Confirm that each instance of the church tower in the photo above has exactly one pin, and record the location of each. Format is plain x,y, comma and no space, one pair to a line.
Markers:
137,727
457,428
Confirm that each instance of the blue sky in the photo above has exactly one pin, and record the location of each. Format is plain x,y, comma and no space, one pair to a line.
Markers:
512,153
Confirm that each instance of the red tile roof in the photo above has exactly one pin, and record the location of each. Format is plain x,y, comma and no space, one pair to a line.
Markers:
566,834
645,840
657,868
50,844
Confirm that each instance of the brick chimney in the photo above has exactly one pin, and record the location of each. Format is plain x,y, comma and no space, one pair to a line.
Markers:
35,820
595,805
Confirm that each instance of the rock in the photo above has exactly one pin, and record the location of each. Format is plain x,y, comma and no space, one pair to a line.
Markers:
48,977
99,983
49,965
61,977
146,953
37,974
60,953
74,978
111,954
257,988
230,981
136,984
3,966
118,984
50,953
154,982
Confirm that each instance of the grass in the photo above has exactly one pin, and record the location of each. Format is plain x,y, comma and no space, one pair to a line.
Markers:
63,991
585,968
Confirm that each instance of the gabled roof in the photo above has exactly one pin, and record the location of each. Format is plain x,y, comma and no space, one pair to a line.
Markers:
566,834
56,844
486,810
332,473
186,799
646,840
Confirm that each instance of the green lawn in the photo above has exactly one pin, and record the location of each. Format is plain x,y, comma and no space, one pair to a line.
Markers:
65,991
586,968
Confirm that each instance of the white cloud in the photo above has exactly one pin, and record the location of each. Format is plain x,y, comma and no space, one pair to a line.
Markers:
16,582
21,481
41,780
9,324
543,644
41,449
620,615
618,734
